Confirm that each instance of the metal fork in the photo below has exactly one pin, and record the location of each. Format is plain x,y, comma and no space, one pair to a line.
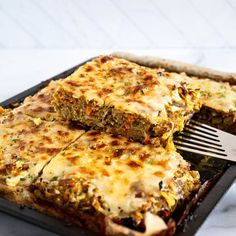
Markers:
206,140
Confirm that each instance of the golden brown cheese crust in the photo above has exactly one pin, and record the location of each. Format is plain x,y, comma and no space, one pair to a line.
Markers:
124,98
39,105
27,144
102,174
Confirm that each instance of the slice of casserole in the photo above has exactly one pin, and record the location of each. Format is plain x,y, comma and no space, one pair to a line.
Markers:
102,175
26,146
121,97
219,101
217,88
219,104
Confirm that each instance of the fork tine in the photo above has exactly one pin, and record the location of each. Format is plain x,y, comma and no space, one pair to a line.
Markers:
199,124
201,129
200,133
201,148
205,140
199,151
196,135
184,139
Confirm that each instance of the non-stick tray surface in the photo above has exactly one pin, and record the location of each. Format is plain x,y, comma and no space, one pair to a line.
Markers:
219,175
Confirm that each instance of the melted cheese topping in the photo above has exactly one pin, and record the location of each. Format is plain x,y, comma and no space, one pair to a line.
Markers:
131,88
121,176
216,95
219,96
39,105
27,144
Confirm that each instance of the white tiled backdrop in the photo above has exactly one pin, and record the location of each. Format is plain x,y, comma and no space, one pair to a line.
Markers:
112,24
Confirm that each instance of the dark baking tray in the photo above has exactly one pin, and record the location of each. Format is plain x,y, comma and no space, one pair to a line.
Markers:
218,174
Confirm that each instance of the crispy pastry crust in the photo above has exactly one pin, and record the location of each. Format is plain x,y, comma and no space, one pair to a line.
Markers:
176,66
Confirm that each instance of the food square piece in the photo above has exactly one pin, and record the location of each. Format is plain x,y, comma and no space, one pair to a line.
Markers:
121,97
106,176
219,104
218,101
217,88
26,145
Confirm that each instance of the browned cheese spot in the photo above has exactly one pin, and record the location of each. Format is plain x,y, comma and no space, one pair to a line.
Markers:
31,142
47,139
45,129
101,145
63,133
89,68
140,194
104,91
167,75
22,145
49,151
45,109
41,96
144,156
119,171
134,164
35,129
72,83
67,182
134,100
148,77
104,172
137,88
114,136
93,133
104,59
159,174
107,160
162,163
85,170
115,143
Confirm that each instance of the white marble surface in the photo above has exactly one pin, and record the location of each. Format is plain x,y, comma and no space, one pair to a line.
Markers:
112,24
20,69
